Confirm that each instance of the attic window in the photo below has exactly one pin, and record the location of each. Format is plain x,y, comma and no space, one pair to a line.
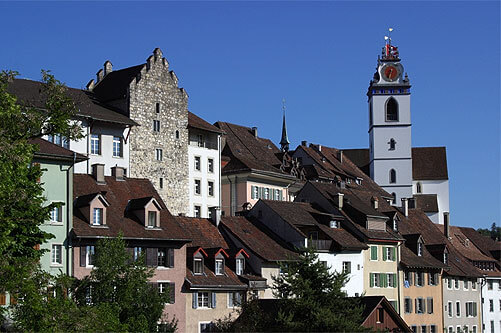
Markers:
358,181
198,266
446,258
392,144
395,224
97,216
152,219
240,263
219,267
420,249
334,224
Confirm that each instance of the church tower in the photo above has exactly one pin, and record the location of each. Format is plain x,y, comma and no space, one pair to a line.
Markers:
390,125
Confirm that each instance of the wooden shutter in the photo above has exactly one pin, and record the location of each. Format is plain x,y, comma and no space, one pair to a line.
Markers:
213,300
194,300
152,256
83,256
280,195
393,254
259,192
410,305
172,293
424,305
170,257
430,305
3,299
373,252
371,277
230,299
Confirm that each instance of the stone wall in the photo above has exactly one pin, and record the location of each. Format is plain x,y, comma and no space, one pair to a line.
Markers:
156,84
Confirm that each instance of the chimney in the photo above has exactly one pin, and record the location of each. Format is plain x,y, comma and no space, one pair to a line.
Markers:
99,75
340,156
405,206
118,172
90,85
216,215
254,131
375,203
339,197
304,143
98,173
108,67
446,224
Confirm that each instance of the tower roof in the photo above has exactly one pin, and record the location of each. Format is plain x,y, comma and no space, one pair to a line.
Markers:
285,139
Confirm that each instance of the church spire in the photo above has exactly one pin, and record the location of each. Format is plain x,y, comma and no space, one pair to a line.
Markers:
284,142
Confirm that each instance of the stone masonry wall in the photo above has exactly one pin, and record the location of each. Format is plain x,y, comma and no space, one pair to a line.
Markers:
156,84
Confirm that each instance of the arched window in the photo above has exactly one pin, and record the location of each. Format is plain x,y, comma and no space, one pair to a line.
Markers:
418,188
394,195
392,144
393,176
391,109
177,134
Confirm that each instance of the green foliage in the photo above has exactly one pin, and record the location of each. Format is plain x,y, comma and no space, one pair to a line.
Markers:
494,232
309,299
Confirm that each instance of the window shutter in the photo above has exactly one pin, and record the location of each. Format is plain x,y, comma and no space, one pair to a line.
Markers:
373,252
172,293
170,257
384,253
474,309
436,278
213,303
393,254
83,256
424,306
194,299
430,306
411,280
416,305
385,277
280,195
410,305
260,192
230,300
371,277
152,256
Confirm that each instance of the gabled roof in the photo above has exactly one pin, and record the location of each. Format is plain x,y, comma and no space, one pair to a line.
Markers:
483,243
140,203
28,93
467,248
118,194
115,84
85,200
370,304
256,239
427,202
48,150
202,232
195,121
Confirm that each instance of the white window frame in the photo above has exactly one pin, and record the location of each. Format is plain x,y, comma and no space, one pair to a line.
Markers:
201,298
197,164
197,186
456,312
232,305
54,253
195,211
347,267
420,301
154,214
450,309
219,267
456,283
210,165
89,254
97,219
117,147
210,188
159,154
239,266
95,139
56,215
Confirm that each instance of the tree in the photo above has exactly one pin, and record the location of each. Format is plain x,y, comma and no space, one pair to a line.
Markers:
309,299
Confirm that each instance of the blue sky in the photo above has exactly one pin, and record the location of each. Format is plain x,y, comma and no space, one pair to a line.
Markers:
237,60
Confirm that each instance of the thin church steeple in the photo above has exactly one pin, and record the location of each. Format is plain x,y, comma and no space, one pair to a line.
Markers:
284,142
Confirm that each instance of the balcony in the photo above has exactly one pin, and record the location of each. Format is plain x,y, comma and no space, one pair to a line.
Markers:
320,244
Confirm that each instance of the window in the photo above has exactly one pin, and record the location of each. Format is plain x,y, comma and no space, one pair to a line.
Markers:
234,299
414,329
433,329
391,109
489,285
206,327
219,267
380,315
198,266
373,252
389,253
334,224
449,309
491,305
254,192
210,188
450,329
56,254
89,255
117,146
420,249
446,258
161,257
97,217
395,224
161,183
203,299
408,278
420,305
419,279
55,215
465,284
474,329
418,187
152,219
197,163
158,154
59,140
429,304
392,144
449,283
471,309
240,266
156,125
433,279
137,252
210,165
347,267
375,280
201,140
394,195
408,305
157,107
458,309
393,176
177,134
197,210
266,193
198,186
492,326
423,328
392,280
95,144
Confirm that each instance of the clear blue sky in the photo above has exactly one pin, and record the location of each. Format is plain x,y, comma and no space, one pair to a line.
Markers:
237,60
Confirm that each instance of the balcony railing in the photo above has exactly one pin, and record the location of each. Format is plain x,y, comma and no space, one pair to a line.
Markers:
320,244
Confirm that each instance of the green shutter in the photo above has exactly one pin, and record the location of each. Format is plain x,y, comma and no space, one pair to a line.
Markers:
395,280
373,252
384,253
393,254
385,280
371,278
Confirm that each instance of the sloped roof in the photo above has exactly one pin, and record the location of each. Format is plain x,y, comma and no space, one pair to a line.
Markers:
29,93
210,280
114,85
202,232
48,150
427,202
369,305
483,243
118,194
467,247
360,157
195,121
256,239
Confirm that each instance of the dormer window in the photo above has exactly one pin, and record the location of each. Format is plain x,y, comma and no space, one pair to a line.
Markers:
198,266
219,267
152,219
240,262
395,224
334,224
147,210
420,249
446,258
97,216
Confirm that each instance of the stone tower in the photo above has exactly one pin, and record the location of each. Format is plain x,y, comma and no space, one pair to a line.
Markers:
390,125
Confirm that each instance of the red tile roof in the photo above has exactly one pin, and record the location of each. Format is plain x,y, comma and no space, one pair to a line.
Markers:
195,121
427,202
118,219
48,150
202,232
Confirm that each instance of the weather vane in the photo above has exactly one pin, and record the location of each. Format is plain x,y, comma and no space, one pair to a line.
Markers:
388,38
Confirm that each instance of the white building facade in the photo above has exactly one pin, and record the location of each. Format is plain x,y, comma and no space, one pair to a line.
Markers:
491,304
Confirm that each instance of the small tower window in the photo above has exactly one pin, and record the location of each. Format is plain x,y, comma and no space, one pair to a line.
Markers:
177,134
394,195
393,176
418,188
392,144
391,109
157,107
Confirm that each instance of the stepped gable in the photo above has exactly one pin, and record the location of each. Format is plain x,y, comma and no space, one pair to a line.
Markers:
487,245
115,84
88,106
429,163
118,193
195,121
251,152
48,150
257,238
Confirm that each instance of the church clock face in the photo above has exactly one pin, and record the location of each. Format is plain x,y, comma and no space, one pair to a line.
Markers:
390,72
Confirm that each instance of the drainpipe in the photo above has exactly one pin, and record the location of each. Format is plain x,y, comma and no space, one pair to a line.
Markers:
482,284
88,147
399,302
